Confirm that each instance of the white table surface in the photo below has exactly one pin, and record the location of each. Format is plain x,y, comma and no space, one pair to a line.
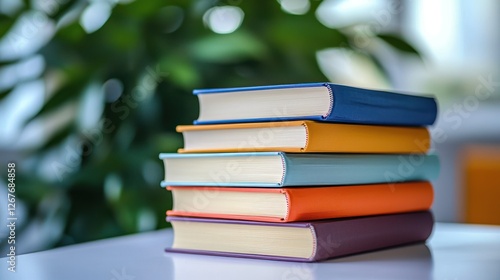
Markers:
455,251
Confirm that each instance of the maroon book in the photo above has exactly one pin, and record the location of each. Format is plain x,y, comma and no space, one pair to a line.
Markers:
292,241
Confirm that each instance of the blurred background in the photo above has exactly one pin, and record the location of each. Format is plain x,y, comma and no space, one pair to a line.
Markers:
91,92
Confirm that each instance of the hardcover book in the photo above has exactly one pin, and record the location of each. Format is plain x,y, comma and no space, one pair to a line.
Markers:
279,169
325,102
304,136
299,241
300,204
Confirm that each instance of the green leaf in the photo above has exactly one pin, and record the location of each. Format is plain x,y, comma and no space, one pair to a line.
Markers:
6,23
119,37
62,8
141,9
166,142
237,46
7,62
304,33
27,4
398,43
180,70
72,33
5,93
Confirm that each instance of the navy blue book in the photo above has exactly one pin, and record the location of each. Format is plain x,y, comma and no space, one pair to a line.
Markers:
324,102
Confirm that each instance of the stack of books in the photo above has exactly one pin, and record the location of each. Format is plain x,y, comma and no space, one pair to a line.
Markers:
302,172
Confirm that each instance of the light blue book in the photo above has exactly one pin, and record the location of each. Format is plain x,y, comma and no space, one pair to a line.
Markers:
279,169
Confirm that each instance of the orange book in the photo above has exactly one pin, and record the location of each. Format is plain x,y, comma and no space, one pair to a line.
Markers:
301,203
304,136
481,176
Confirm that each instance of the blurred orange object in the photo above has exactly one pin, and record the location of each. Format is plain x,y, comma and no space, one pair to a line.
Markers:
482,184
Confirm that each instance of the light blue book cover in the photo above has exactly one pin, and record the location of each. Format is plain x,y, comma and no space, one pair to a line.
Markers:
279,169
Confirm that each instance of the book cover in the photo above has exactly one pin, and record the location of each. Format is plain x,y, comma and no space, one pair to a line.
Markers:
318,138
278,169
347,105
336,237
313,203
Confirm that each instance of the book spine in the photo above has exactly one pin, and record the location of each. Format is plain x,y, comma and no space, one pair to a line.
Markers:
350,236
356,105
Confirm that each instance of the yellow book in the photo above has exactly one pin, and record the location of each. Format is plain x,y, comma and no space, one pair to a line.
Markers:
304,136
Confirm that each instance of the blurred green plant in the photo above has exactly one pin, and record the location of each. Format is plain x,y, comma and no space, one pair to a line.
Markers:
141,67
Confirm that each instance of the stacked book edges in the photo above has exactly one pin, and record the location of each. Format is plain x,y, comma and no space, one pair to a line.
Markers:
302,172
